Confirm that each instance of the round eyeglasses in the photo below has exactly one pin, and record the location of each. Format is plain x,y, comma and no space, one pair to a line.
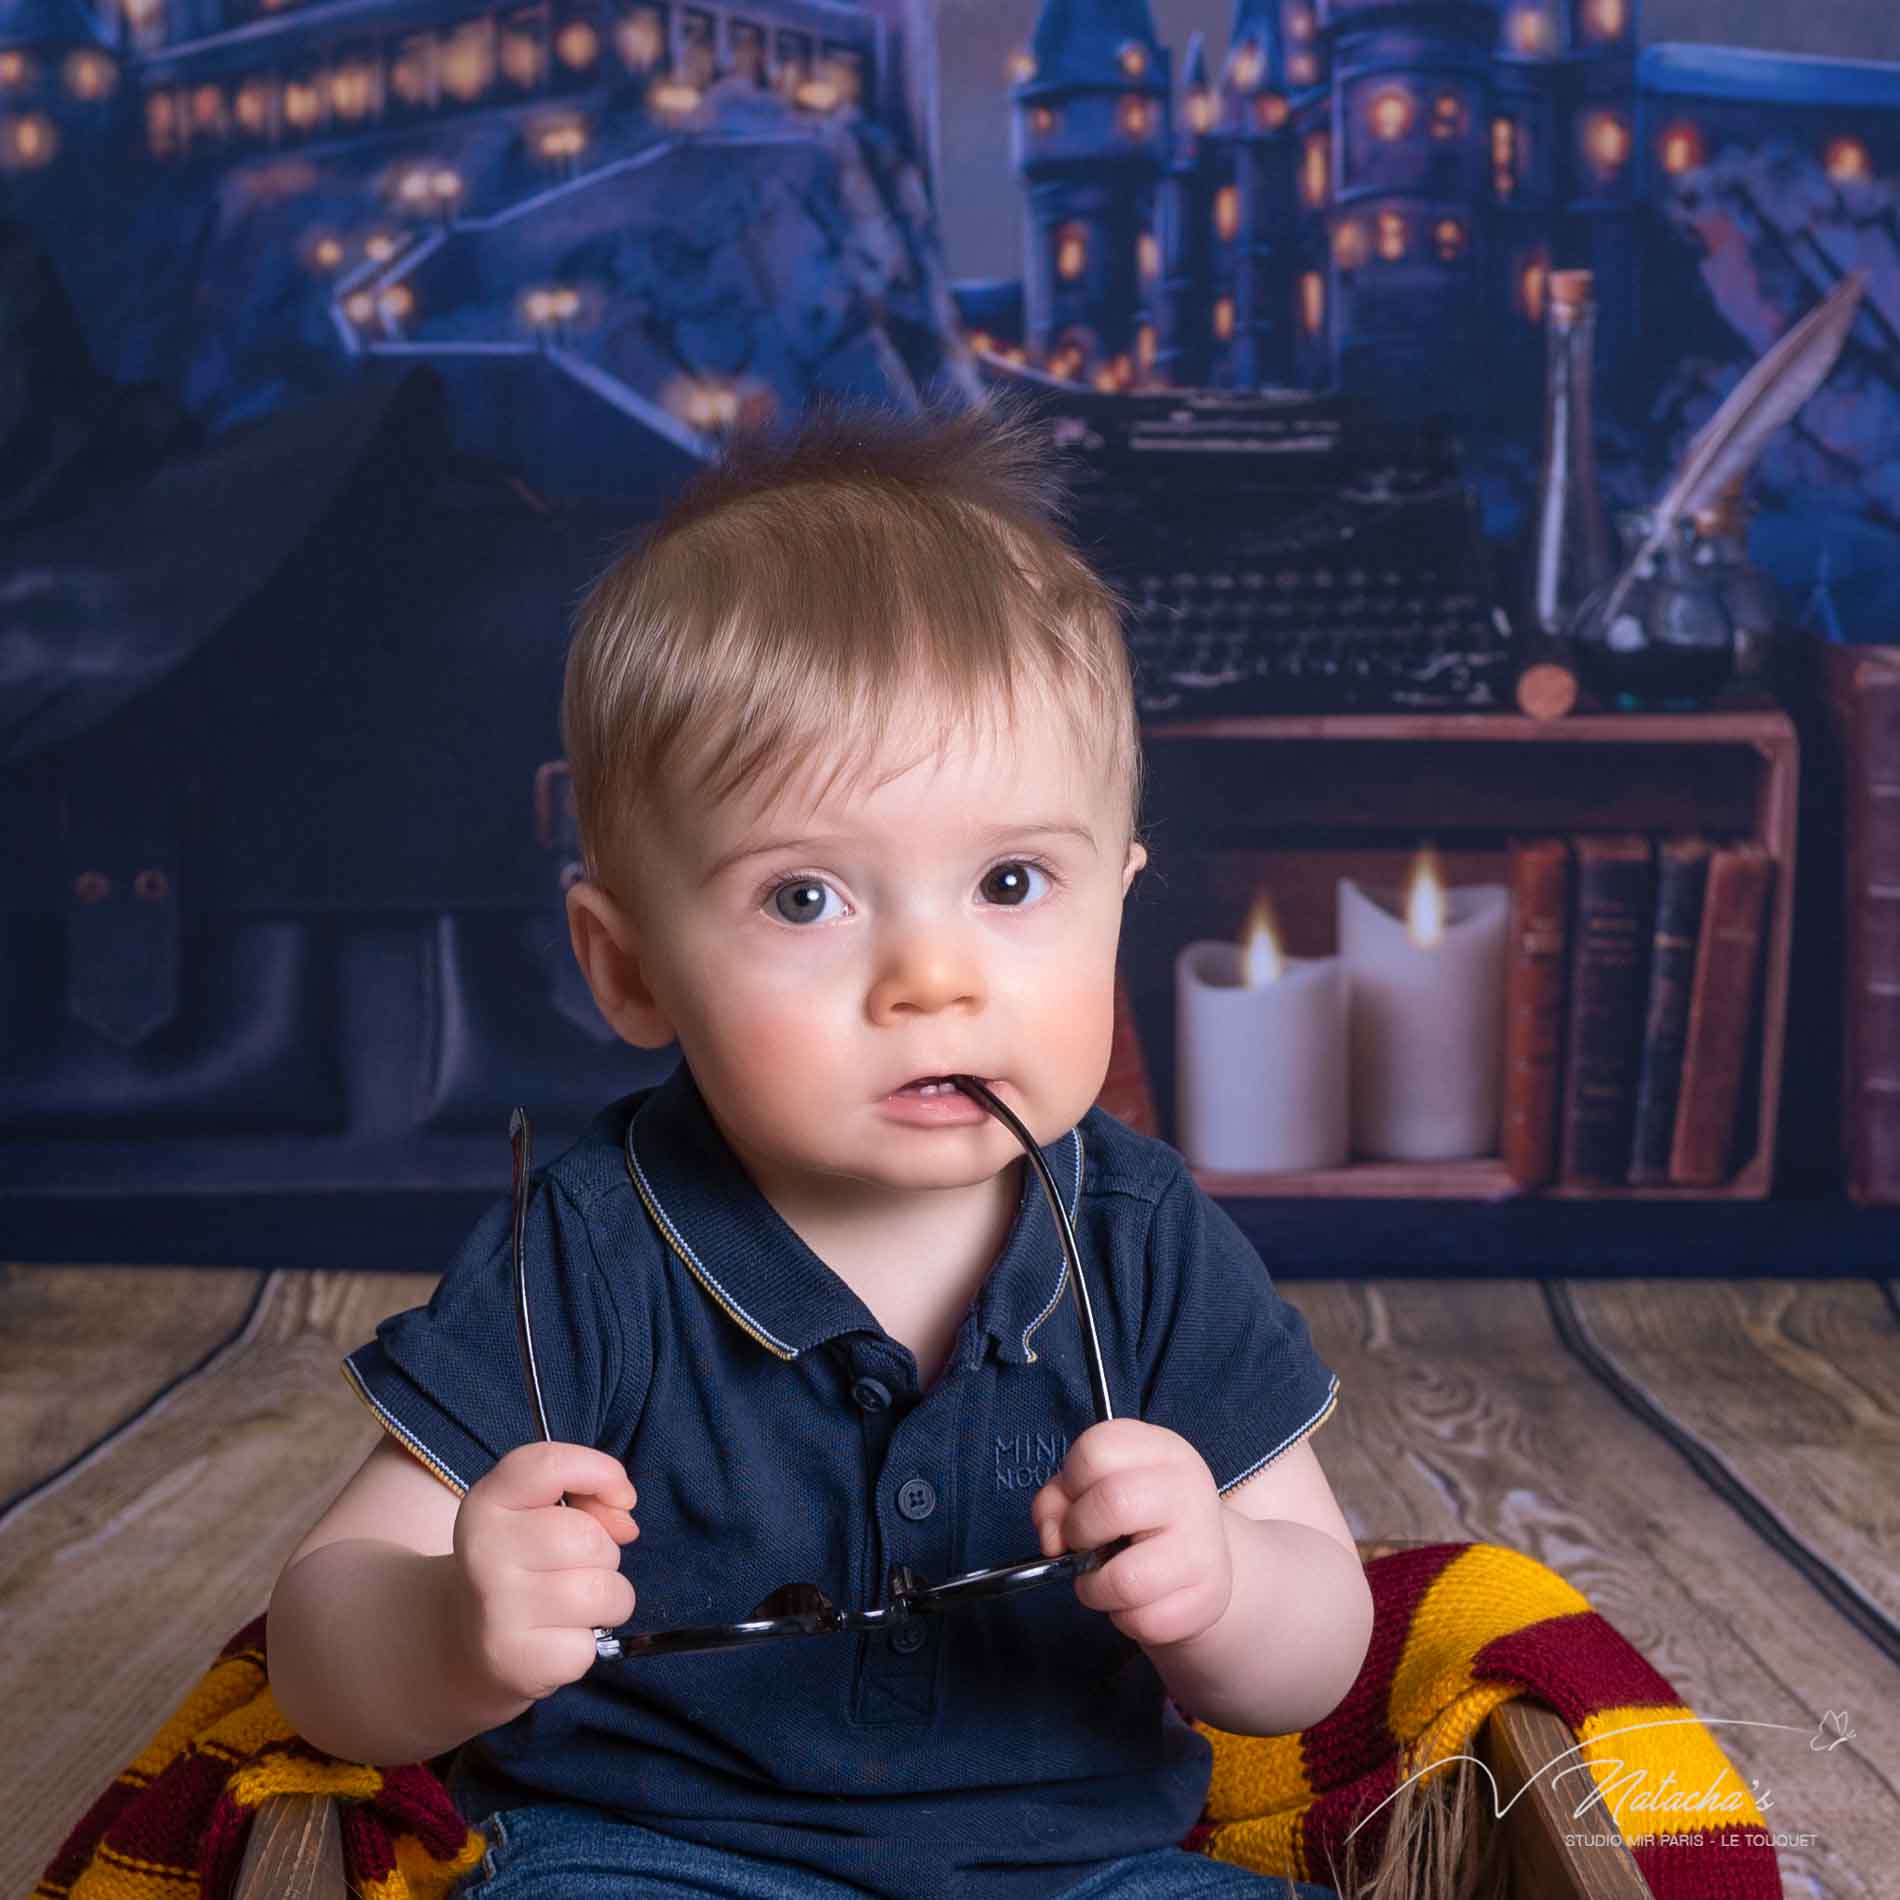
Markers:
802,1609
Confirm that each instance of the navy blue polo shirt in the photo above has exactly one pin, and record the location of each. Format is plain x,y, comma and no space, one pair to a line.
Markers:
776,1433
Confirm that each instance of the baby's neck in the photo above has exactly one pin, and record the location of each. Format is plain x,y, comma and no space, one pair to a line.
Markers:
936,1238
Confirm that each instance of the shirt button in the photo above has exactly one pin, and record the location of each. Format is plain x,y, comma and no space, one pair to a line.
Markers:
908,1637
916,1498
871,1394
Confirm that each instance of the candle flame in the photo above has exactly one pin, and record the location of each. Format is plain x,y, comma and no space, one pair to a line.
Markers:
1262,960
1425,900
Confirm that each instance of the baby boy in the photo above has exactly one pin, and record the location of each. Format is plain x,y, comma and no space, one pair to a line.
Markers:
858,774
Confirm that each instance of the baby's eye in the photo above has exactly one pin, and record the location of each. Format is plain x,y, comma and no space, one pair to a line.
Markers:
1010,877
800,900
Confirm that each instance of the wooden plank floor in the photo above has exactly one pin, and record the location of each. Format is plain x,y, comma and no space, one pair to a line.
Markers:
1712,1463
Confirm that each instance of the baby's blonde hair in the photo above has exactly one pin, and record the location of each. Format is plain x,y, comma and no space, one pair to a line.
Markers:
805,593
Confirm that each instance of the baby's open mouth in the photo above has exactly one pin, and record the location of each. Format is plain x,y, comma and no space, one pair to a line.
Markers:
936,1085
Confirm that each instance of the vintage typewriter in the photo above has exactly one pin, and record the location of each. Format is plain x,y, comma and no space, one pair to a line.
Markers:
1284,552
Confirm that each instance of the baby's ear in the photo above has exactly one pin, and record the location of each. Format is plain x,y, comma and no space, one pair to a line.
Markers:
1137,857
607,947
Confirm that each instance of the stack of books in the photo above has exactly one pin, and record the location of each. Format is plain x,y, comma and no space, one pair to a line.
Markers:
1633,1004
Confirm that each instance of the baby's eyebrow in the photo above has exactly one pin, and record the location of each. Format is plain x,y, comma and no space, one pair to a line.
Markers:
987,835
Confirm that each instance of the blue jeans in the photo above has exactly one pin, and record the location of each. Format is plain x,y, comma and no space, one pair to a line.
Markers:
565,1851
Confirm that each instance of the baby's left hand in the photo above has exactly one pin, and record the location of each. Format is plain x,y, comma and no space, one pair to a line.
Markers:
1124,1476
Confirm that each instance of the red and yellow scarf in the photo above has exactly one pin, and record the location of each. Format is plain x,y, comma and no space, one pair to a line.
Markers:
1460,1627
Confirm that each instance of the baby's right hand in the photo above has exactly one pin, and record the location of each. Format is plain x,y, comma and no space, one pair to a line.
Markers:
537,1576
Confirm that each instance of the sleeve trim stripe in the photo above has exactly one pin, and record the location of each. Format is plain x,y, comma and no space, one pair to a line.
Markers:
400,1432
1292,1438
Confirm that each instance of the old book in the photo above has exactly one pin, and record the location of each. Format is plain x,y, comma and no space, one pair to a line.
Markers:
1861,692
1722,1012
1535,980
1609,984
1682,876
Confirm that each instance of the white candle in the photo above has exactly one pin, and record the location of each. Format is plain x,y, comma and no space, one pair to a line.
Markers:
1259,1068
1427,1024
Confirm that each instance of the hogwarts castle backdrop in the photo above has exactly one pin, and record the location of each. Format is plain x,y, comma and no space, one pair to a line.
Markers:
340,340
613,224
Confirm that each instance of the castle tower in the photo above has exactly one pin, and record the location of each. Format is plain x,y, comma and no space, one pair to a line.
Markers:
1184,327
1271,83
1399,191
59,85
1090,134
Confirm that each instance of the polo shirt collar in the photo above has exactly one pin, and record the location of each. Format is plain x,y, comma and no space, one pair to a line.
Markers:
759,1270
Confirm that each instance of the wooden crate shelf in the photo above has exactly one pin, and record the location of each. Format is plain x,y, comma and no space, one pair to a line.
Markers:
1318,797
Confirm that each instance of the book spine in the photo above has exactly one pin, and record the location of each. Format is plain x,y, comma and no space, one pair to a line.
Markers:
1721,1014
1681,880
1615,911
1862,687
1534,985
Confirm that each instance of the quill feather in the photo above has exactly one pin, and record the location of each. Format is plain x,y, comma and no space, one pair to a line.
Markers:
1729,443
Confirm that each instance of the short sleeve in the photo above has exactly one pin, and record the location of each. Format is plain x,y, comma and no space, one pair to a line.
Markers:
1226,1361
447,1379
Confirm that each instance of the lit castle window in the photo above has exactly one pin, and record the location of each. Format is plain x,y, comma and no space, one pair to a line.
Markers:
1270,110
1530,288
1847,162
1299,24
1132,117
1606,139
1071,251
15,70
1391,113
1148,255
1449,235
1246,67
1391,235
468,61
1227,212
303,106
1021,68
1506,150
1312,301
1532,31
1223,317
161,127
1681,148
1302,69
521,58
1201,109
1041,119
1606,19
1316,168
90,76
1145,348
1349,244
640,39
578,45
1448,116
1133,58
254,105
28,141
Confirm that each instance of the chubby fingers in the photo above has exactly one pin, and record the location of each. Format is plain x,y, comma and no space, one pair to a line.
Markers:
1124,1503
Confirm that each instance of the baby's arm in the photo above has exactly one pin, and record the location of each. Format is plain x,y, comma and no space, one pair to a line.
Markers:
392,1641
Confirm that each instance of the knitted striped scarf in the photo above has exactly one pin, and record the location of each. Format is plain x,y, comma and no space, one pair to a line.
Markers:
1459,1628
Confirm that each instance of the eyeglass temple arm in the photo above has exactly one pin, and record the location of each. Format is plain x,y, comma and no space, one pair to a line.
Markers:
521,1144
1098,1378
